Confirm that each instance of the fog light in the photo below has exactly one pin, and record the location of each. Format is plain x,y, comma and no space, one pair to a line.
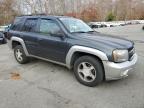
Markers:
125,73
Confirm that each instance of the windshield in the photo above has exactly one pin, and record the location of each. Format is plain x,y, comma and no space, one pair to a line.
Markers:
75,25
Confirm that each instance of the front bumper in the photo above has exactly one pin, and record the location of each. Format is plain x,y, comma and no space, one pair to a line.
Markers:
115,71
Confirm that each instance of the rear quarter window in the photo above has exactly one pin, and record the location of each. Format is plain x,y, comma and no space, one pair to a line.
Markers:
17,24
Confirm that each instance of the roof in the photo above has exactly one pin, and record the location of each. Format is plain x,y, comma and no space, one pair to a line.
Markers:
42,16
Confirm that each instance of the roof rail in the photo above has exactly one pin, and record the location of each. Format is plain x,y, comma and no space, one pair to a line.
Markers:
41,14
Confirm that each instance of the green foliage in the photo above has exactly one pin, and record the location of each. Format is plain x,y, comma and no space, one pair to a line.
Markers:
110,17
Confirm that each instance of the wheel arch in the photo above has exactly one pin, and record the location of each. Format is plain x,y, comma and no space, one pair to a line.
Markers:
18,41
15,43
77,54
79,51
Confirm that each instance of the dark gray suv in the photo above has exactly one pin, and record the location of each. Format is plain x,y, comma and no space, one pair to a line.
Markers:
70,42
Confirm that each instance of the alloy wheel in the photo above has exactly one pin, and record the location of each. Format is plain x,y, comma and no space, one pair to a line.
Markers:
87,72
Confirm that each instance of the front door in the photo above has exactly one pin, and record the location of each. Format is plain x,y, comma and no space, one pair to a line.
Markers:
51,41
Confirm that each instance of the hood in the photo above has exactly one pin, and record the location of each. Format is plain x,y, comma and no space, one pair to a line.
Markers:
105,40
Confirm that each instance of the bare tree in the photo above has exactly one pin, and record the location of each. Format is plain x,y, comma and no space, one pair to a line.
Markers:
7,12
122,9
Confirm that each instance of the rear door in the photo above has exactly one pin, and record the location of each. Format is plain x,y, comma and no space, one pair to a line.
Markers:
29,35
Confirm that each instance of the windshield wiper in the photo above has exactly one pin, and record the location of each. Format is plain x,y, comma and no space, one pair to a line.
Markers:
79,32
90,31
83,32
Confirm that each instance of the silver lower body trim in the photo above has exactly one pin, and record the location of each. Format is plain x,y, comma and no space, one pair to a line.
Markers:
115,71
47,60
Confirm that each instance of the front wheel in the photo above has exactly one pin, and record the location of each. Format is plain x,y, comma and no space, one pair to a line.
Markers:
20,55
88,70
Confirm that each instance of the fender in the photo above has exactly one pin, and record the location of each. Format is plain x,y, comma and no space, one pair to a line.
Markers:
22,43
92,51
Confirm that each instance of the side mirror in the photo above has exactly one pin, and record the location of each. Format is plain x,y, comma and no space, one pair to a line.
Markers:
59,34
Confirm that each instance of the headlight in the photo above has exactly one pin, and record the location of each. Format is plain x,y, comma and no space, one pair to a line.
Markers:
120,55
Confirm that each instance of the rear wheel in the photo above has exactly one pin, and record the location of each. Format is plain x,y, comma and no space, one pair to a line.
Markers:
20,55
88,70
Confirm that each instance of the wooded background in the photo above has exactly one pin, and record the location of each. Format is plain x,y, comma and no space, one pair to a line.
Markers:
87,10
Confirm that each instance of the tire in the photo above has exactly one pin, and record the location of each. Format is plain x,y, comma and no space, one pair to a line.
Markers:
88,71
20,55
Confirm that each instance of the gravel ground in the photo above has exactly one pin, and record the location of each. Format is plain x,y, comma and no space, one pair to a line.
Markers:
41,84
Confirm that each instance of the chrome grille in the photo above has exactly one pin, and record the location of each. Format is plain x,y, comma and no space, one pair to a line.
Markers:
131,53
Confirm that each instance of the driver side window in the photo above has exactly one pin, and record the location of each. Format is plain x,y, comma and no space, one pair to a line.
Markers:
49,27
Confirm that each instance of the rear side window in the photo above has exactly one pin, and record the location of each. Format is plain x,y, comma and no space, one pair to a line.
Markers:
30,25
17,24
